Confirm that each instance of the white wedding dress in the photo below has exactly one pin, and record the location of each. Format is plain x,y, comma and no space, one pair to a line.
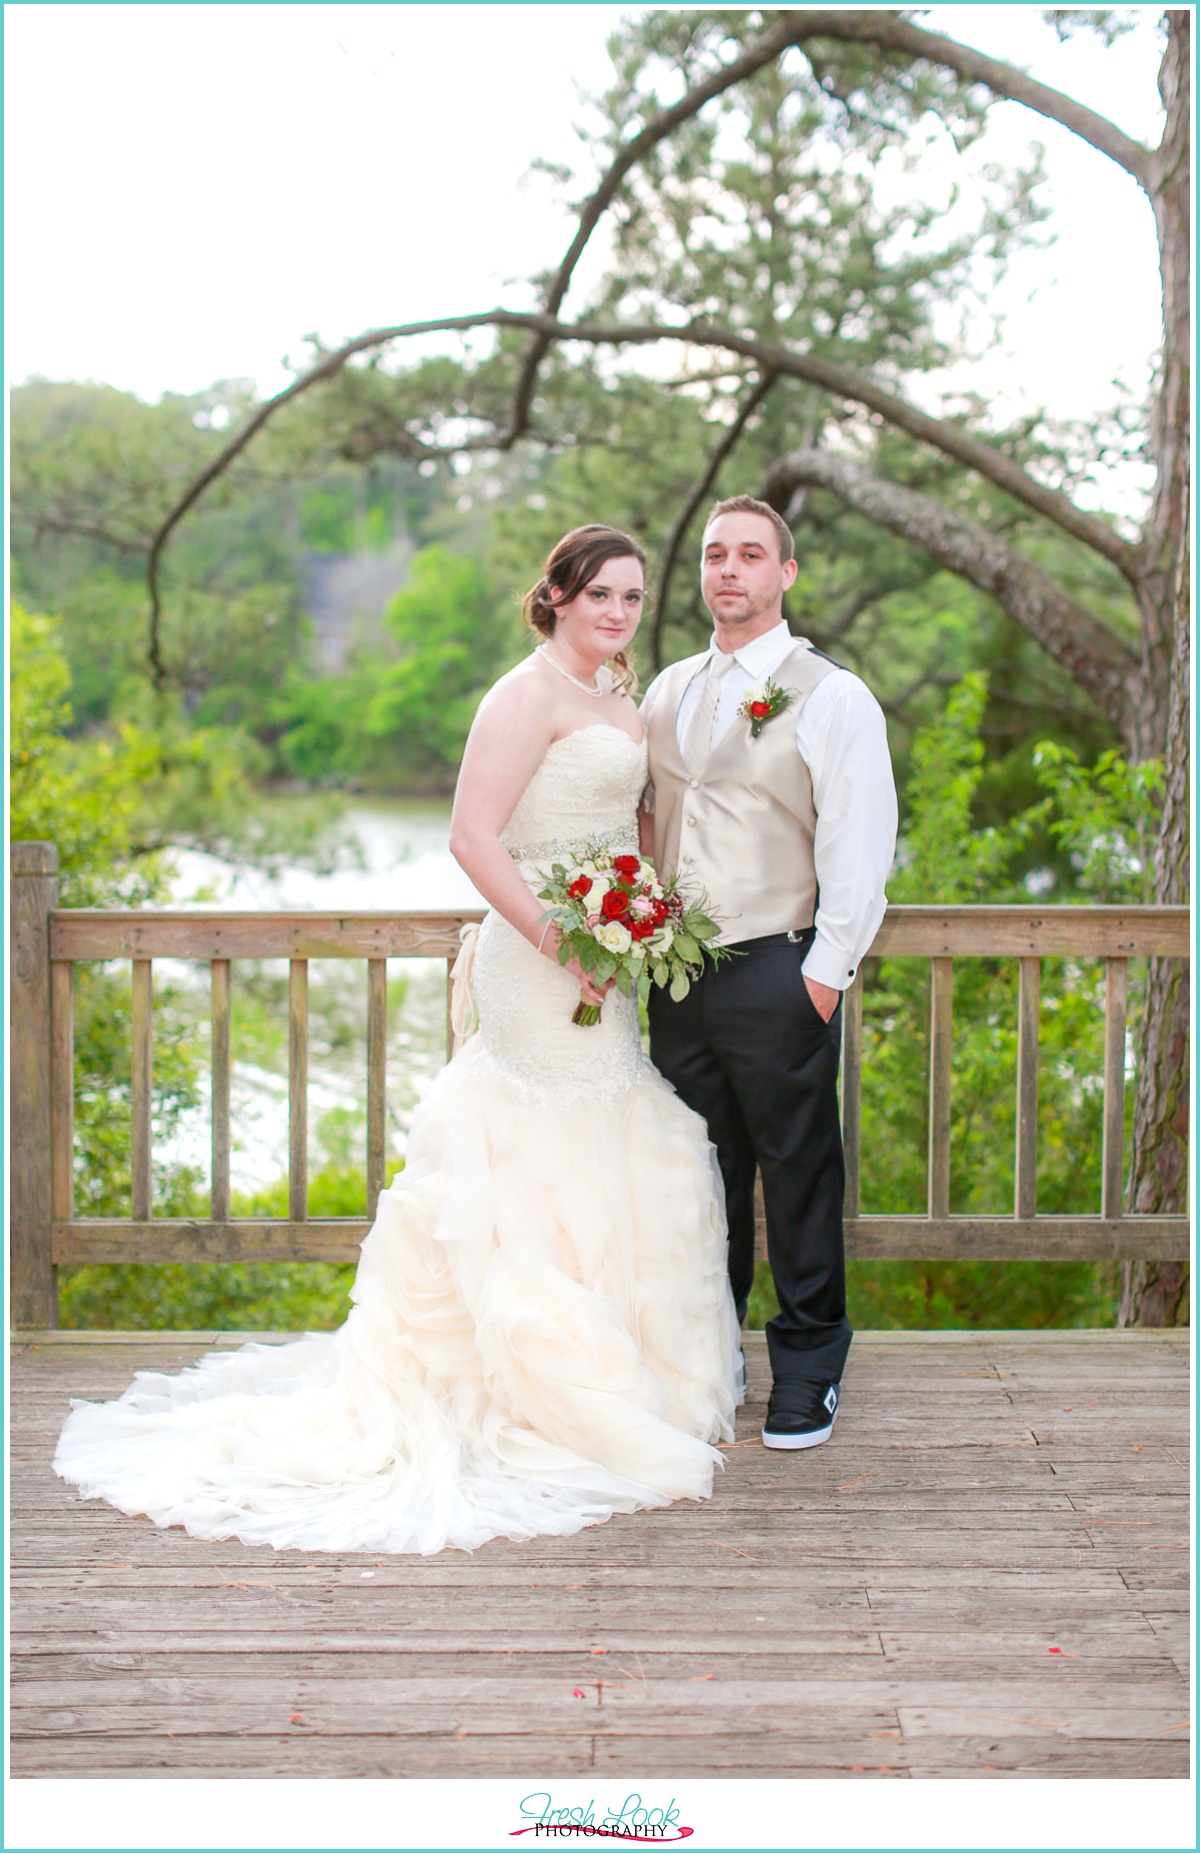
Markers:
542,1330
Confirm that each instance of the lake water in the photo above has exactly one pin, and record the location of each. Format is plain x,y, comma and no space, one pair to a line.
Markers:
392,856
404,854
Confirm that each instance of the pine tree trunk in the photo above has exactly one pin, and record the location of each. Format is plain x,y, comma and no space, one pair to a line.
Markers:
1156,1293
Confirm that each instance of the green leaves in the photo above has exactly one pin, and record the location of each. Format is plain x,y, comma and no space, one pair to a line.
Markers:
680,986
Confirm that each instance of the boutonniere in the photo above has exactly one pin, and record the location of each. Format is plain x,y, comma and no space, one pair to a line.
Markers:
763,704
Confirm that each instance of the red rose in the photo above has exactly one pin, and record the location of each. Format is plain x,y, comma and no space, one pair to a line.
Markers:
760,709
626,865
661,912
615,904
580,887
641,926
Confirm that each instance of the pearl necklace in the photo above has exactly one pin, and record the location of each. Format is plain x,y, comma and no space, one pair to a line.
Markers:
596,693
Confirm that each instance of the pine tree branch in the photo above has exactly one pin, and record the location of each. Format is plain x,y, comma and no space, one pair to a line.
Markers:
761,51
1094,656
892,32
686,514
844,382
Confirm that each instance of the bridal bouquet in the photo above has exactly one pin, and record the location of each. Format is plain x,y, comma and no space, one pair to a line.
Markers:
620,921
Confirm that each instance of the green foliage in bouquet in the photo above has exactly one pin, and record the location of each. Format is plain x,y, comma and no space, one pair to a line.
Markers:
622,923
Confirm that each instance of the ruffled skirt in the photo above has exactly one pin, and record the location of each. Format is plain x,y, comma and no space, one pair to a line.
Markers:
542,1334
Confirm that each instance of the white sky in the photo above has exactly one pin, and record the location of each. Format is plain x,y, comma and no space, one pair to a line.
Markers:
192,188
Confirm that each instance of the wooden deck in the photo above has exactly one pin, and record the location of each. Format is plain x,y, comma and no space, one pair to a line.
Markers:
985,1573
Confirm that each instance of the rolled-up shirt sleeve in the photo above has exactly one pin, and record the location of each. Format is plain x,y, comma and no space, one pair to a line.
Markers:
842,737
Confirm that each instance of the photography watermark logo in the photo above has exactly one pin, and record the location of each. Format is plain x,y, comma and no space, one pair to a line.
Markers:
636,1820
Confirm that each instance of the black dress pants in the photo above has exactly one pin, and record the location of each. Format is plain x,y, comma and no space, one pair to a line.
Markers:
748,1050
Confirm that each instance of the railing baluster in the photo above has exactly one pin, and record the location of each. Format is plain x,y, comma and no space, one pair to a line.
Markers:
142,1037
852,1089
376,1078
1113,1164
1029,992
940,1045
62,1091
298,1091
221,1076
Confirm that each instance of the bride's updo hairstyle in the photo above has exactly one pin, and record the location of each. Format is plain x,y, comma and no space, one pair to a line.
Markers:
570,566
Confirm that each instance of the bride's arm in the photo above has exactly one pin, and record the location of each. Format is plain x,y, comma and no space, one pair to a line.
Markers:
507,743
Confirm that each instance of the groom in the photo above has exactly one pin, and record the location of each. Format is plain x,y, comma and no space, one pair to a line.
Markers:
790,832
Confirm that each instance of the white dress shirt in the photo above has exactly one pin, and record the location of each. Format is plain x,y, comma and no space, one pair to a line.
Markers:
841,736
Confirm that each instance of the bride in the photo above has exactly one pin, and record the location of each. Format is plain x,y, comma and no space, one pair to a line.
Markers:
542,1330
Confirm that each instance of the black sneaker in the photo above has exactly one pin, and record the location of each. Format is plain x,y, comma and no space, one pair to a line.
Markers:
800,1414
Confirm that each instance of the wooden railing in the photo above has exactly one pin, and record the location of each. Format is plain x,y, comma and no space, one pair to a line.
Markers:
46,944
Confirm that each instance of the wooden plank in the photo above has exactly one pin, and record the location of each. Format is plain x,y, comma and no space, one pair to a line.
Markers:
33,892
303,1754
95,933
376,1080
956,1238
852,1089
940,1048
930,932
221,1078
1112,1170
1028,998
1030,932
473,1754
141,1090
62,1092
327,1239
1001,1238
298,1091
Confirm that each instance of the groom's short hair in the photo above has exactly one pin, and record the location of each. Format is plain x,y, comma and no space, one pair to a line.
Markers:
750,505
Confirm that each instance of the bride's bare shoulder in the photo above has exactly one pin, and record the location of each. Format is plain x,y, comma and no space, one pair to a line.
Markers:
519,692
519,707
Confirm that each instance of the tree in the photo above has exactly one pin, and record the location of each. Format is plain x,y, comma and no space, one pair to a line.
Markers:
873,64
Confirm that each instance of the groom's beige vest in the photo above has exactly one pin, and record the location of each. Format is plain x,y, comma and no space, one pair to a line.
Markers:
742,828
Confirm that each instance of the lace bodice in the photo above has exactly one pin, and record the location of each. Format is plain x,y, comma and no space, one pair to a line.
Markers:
584,795
585,791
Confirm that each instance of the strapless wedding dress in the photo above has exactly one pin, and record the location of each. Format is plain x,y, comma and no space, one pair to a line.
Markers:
542,1331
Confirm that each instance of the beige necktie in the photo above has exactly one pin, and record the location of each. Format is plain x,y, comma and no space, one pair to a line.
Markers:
697,743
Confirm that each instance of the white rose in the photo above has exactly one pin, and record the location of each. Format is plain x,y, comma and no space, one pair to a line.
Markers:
614,937
596,894
661,941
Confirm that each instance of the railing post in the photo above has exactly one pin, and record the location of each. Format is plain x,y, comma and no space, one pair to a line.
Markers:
141,1090
298,1091
221,1071
1112,1166
376,1081
940,1047
1029,993
852,1009
33,892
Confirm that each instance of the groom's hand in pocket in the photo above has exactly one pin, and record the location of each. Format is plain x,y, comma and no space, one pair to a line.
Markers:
825,998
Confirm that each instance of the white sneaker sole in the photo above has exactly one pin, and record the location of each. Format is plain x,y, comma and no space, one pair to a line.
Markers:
812,1440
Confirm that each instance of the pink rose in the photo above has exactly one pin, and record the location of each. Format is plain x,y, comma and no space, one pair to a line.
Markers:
593,920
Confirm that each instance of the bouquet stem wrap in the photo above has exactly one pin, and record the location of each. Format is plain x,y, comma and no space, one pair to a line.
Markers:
464,1012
